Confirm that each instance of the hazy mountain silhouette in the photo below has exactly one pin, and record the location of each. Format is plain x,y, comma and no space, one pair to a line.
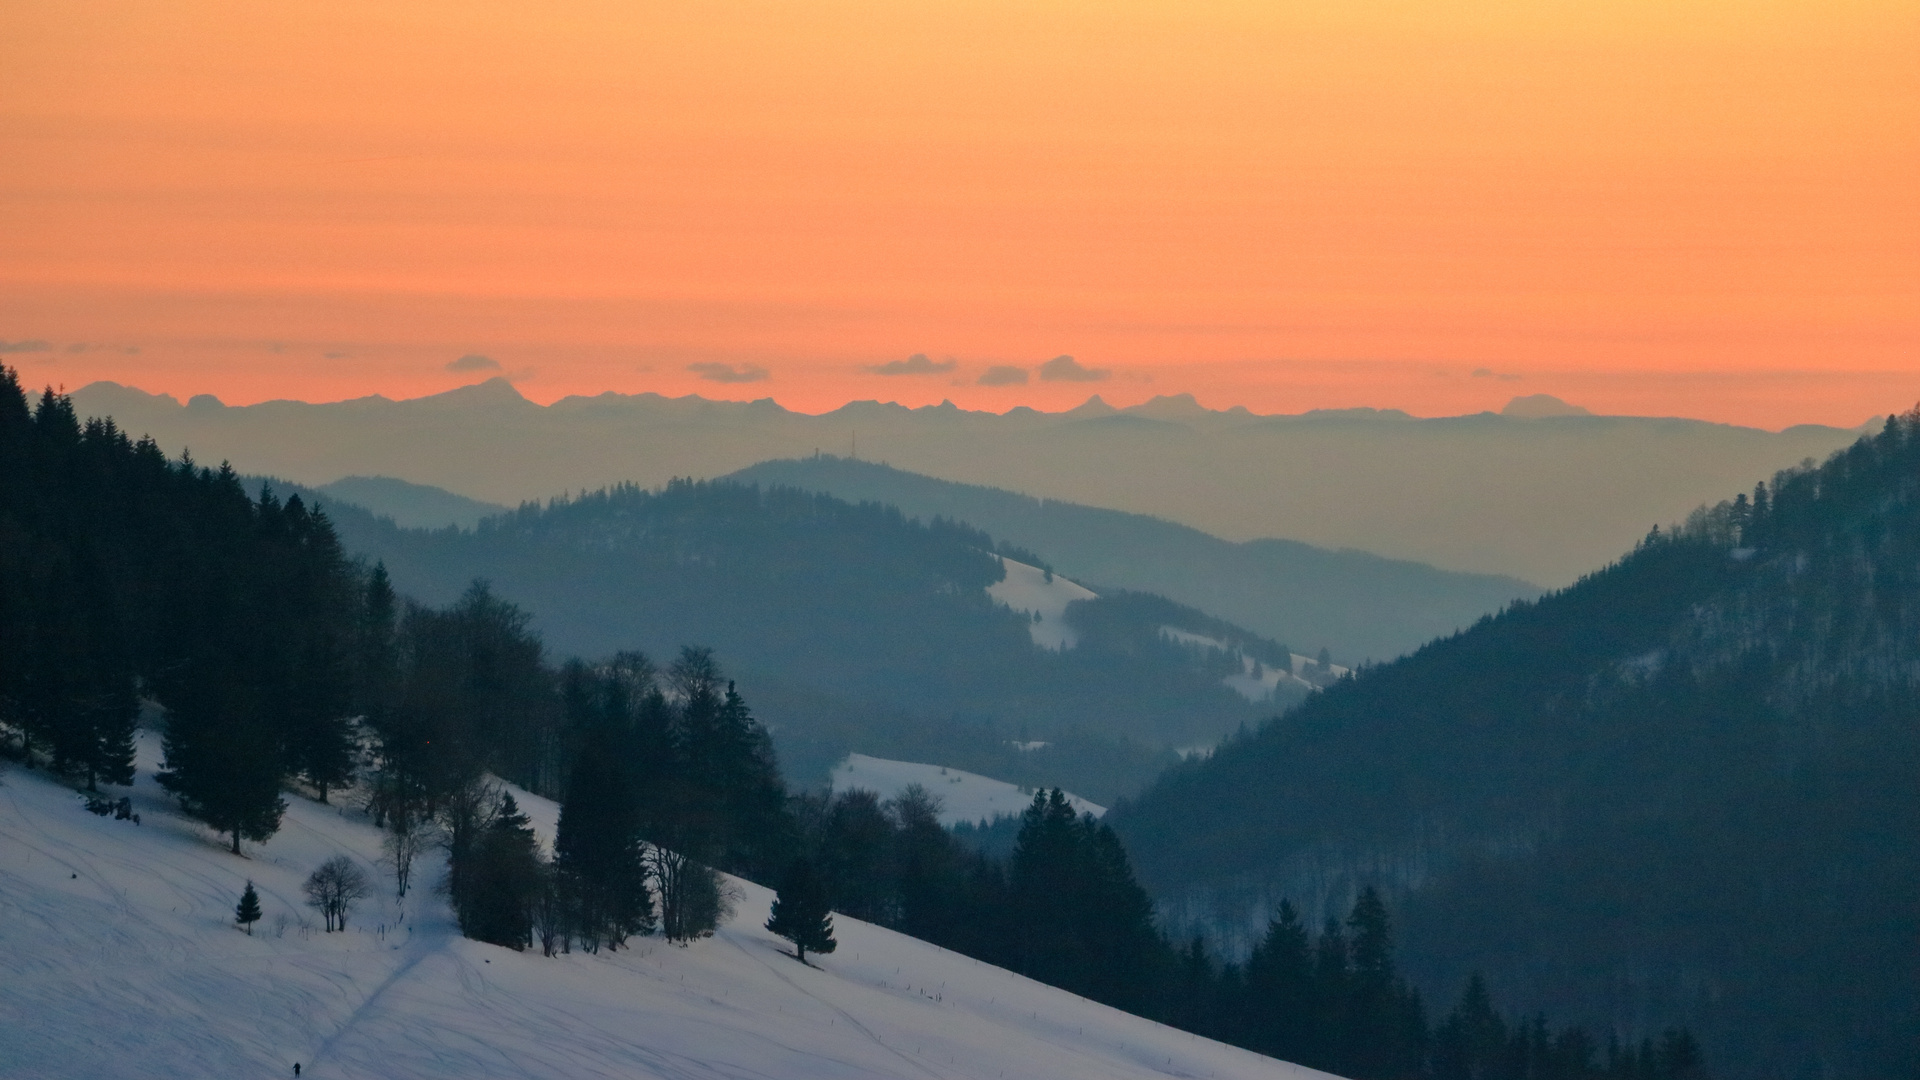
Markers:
1357,605
1541,499
411,506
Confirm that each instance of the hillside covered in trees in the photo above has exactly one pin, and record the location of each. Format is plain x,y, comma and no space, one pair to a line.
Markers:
860,629
1358,605
1680,791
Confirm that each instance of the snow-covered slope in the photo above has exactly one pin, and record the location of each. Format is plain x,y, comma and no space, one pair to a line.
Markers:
1257,683
1026,588
964,796
120,959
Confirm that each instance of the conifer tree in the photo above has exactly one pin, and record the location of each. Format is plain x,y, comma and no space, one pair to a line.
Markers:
801,913
600,856
504,881
247,911
1279,987
223,763
376,658
1468,1044
310,601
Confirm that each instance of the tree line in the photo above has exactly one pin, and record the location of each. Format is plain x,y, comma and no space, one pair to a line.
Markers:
1064,908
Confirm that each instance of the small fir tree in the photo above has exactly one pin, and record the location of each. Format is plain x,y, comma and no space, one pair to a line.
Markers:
800,911
247,911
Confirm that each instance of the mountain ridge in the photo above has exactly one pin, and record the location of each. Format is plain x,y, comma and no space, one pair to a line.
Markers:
1480,493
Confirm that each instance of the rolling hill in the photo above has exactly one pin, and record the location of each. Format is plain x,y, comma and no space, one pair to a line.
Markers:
1358,606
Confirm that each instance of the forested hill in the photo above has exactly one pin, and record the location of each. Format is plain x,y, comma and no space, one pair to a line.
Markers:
1681,790
1357,605
858,628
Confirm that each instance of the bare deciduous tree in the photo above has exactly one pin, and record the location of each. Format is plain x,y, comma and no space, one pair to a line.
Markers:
694,898
333,888
403,845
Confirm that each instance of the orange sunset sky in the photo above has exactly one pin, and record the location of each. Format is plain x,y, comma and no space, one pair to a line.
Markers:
1695,208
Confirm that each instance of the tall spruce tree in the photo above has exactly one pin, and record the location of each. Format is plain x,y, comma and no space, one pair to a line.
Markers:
599,854
1385,1031
223,763
314,608
504,882
1279,989
225,751
801,912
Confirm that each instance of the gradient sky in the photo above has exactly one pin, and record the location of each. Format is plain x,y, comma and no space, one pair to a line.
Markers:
1704,209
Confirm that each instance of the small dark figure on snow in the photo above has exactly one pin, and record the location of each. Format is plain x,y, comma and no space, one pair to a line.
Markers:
296,1070
801,913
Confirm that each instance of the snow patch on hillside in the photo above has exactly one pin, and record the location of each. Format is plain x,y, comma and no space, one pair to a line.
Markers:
964,796
122,960
1026,588
1257,682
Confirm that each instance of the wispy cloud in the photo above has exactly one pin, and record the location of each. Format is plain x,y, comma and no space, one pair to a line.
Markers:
730,373
474,362
1489,373
32,345
1065,368
917,364
1003,375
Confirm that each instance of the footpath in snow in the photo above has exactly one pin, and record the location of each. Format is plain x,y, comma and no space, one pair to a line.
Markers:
121,959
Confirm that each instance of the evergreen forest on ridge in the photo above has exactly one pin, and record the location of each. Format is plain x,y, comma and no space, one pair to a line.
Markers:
1681,791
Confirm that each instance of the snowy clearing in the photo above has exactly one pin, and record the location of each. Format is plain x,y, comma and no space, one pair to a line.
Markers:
1252,685
1026,588
122,959
964,796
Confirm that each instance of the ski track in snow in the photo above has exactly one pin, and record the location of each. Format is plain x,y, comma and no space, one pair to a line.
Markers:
120,960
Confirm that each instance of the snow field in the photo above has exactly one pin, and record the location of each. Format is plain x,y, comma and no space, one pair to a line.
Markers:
964,796
1249,686
121,959
1026,588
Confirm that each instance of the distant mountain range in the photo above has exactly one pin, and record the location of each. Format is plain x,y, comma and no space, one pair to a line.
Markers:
1684,790
1359,606
1537,497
